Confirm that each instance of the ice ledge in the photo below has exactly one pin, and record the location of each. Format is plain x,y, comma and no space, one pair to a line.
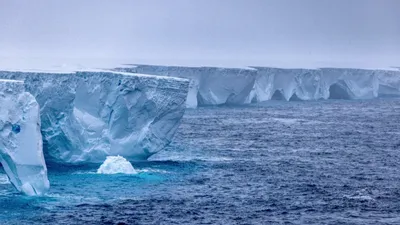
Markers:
21,152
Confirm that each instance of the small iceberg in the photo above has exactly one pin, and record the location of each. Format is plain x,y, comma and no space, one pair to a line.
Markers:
116,164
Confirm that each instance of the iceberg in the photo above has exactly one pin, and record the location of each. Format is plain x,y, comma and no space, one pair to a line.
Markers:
350,83
389,83
314,84
225,86
115,165
237,86
21,151
287,84
89,115
208,85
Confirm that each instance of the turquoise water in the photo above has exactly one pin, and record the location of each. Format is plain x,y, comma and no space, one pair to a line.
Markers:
77,187
328,162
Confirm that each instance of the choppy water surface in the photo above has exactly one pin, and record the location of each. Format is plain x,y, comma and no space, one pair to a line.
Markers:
329,162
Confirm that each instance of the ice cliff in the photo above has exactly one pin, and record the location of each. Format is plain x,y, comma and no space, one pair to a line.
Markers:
89,115
21,152
236,86
389,83
314,84
208,85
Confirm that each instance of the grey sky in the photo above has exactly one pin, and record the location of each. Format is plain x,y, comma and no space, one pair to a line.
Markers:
206,31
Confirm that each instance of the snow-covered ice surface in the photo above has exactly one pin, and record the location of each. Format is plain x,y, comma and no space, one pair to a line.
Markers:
237,86
21,149
115,165
89,115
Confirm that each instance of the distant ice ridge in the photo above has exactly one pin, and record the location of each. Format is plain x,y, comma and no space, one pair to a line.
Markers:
115,165
89,115
21,150
236,86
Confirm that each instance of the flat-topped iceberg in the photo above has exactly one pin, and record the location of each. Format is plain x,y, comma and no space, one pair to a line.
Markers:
236,86
21,152
87,116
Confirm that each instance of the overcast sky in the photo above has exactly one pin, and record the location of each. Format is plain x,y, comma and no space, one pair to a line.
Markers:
206,31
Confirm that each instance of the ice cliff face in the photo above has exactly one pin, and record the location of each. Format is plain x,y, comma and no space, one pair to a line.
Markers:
315,84
389,82
287,84
21,152
208,85
231,86
87,116
351,83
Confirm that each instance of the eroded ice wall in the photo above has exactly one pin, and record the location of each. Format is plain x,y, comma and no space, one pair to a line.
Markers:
287,84
87,116
389,82
208,85
218,86
21,150
131,115
350,83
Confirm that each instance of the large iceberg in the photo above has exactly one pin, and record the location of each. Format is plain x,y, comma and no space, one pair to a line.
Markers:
208,85
350,83
236,86
315,84
287,84
89,115
21,152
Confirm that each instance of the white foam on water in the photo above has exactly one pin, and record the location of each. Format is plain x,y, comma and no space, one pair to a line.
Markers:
360,197
287,121
151,171
188,158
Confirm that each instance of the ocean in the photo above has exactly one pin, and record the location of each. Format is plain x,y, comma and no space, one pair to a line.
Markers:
302,162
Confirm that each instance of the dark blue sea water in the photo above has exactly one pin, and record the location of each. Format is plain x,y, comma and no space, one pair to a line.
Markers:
327,162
